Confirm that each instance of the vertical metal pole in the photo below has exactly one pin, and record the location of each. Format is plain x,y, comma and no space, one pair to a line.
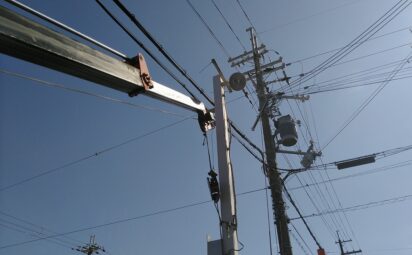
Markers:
227,191
273,175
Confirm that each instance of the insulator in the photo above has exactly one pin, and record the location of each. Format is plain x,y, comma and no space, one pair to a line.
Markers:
307,159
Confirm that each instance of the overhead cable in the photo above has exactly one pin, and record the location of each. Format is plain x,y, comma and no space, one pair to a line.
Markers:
355,43
141,45
66,28
340,48
362,206
96,154
74,90
171,60
301,216
208,28
161,49
228,24
115,222
368,100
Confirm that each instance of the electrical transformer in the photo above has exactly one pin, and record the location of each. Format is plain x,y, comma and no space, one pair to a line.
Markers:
286,128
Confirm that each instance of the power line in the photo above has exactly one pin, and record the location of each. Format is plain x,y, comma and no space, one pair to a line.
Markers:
31,234
372,171
160,212
98,153
168,57
301,238
301,216
69,241
362,206
245,13
24,230
355,43
66,28
141,45
359,76
208,28
161,49
309,16
228,24
351,60
63,87
340,48
369,100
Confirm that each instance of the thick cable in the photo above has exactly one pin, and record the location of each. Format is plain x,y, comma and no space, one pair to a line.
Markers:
141,45
301,216
161,49
65,27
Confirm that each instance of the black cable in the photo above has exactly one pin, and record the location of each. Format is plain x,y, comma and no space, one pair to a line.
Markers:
368,100
65,27
141,45
42,228
124,220
359,76
245,13
303,240
31,234
162,50
74,162
340,48
228,24
290,89
35,233
362,206
355,43
63,87
301,216
208,28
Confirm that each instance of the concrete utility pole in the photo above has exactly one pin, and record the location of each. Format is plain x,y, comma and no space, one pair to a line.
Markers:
228,222
281,220
342,252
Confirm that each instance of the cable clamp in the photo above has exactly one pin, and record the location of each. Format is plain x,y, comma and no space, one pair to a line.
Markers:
140,63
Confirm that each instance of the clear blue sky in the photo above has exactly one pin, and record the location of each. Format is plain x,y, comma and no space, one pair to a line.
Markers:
42,128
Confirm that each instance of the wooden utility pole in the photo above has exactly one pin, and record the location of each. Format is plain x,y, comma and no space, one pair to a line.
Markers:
278,205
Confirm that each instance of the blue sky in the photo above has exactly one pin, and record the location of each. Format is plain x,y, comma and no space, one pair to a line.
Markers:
42,128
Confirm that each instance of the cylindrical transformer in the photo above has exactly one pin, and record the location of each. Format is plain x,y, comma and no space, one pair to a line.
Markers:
286,127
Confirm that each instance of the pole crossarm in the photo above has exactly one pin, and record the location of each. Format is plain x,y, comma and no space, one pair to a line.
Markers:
27,40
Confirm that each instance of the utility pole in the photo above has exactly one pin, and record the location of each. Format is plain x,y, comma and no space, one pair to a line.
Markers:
91,248
342,252
275,181
228,218
272,173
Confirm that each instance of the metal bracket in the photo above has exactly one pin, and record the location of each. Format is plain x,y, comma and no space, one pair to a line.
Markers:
206,120
140,63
